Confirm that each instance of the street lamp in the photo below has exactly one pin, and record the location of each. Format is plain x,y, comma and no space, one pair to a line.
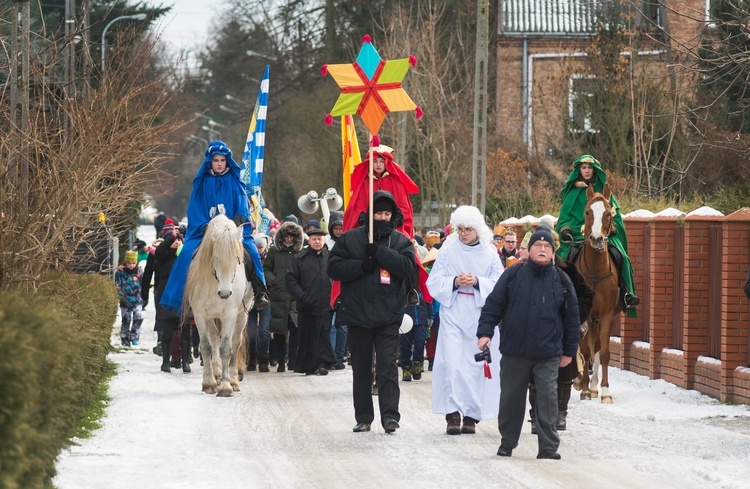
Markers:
141,16
250,52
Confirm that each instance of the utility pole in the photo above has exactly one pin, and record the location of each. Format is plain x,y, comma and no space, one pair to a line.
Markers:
69,59
19,111
479,156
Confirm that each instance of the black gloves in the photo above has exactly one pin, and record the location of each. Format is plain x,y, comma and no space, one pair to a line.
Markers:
371,249
566,235
238,220
369,264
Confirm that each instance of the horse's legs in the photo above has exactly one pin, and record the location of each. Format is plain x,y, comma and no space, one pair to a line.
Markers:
206,348
604,355
595,376
586,352
225,351
239,329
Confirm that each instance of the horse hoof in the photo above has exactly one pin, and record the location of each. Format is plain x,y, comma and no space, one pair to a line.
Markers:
209,389
577,385
594,394
235,388
585,396
224,394
607,400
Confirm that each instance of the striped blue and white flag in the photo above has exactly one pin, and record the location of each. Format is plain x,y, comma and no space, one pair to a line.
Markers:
252,158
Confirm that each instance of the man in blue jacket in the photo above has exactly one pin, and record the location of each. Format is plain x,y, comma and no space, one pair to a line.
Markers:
539,334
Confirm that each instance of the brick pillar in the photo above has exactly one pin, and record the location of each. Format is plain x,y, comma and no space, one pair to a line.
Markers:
661,288
631,329
734,309
695,310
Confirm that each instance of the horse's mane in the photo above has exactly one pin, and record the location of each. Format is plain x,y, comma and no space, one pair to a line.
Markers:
217,253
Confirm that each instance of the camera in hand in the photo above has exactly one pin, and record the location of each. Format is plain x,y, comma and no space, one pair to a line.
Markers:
484,355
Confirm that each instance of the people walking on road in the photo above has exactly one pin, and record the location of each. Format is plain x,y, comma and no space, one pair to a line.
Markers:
308,283
287,242
259,322
461,279
539,334
413,341
373,293
128,283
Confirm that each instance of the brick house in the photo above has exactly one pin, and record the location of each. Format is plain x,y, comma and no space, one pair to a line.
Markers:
540,47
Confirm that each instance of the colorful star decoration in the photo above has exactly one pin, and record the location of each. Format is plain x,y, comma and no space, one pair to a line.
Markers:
371,87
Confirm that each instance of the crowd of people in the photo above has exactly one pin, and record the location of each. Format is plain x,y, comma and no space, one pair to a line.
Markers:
336,295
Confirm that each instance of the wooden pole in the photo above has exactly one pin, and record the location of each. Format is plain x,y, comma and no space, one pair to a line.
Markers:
372,177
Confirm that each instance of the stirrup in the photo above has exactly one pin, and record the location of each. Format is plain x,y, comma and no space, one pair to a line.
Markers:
630,300
261,301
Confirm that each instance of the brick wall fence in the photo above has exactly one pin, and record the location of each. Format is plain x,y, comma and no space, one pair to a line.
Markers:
693,320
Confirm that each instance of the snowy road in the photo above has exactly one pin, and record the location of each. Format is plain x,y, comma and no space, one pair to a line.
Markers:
289,430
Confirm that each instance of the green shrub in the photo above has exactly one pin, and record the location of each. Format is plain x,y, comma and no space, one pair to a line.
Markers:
54,346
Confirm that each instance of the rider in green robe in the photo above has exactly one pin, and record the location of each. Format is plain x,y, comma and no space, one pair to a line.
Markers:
587,170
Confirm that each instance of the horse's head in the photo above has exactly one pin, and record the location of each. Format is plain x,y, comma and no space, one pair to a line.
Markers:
599,218
225,240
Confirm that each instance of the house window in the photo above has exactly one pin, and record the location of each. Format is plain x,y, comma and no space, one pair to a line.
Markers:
580,95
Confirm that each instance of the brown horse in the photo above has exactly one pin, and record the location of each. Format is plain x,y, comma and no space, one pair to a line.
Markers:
596,265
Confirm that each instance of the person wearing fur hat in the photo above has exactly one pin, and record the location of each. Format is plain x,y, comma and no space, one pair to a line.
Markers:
287,242
217,187
373,280
539,333
461,279
588,171
128,283
259,322
308,283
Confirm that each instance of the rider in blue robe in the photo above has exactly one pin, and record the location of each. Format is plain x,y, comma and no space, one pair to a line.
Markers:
212,194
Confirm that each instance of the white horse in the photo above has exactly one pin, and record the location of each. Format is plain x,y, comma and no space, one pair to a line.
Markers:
219,296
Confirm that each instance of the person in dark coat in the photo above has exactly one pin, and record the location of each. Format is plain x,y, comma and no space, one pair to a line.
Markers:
373,293
413,341
539,333
565,376
168,320
308,283
287,242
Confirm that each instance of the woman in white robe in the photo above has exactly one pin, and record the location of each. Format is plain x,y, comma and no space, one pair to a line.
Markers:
464,274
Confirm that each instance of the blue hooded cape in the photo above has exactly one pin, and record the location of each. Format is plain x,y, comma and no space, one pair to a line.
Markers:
210,193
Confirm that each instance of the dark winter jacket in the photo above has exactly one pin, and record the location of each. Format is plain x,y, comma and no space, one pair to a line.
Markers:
538,320
275,267
308,282
161,263
365,301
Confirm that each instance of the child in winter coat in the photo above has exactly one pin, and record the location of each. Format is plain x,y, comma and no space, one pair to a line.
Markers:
128,283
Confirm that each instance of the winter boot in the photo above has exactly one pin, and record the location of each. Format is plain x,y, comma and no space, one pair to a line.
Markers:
532,401
166,348
165,367
252,361
185,352
262,362
429,364
563,397
470,426
407,375
454,423
416,370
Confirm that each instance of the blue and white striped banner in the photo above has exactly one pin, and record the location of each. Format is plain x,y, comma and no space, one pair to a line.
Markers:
252,159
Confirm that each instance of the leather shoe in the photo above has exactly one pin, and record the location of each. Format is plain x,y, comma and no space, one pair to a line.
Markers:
361,427
390,425
547,454
505,451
